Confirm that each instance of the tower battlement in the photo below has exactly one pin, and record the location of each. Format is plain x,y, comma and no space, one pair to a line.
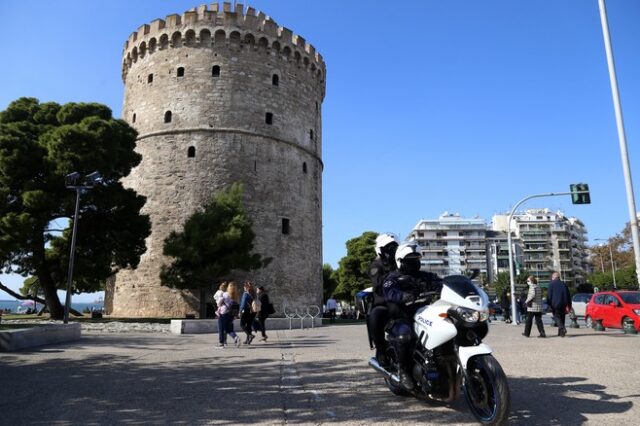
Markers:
206,26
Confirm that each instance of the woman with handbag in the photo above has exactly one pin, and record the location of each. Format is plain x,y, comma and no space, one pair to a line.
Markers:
534,307
248,310
266,309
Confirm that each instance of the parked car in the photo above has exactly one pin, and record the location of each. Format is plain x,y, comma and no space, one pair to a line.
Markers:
613,308
579,303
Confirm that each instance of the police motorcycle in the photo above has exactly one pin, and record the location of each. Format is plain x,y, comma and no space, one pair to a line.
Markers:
448,353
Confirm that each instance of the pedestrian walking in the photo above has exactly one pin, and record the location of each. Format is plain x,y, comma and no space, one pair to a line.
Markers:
505,304
534,308
559,298
332,305
227,311
266,309
247,311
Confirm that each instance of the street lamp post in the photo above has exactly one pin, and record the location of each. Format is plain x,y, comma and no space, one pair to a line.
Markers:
71,182
622,138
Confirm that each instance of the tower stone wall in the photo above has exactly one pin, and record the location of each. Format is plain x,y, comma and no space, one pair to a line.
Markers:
221,95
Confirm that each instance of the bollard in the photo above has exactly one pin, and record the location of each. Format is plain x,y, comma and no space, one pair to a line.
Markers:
574,320
599,326
629,326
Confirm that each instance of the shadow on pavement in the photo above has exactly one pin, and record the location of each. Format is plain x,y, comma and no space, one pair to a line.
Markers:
172,382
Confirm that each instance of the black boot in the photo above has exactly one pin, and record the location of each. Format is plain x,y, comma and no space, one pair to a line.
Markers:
406,380
381,357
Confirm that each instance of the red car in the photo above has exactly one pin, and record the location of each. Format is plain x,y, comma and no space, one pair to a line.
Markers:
613,308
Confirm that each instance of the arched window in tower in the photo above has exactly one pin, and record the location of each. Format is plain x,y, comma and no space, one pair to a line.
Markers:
215,71
268,118
191,152
167,117
180,71
150,78
285,226
304,167
133,119
275,80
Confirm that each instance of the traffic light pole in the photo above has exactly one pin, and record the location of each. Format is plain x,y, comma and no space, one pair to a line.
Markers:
633,218
512,273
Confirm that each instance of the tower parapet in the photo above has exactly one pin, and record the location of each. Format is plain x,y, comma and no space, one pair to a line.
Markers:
205,27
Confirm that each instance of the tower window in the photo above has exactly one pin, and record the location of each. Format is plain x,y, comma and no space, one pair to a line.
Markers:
191,152
275,80
133,119
215,71
150,78
304,167
316,106
181,72
285,226
311,134
268,118
167,117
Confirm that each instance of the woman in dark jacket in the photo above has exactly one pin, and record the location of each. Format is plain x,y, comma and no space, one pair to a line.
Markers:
247,315
265,311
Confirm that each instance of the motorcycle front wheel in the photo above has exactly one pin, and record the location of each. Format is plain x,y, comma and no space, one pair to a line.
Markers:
487,390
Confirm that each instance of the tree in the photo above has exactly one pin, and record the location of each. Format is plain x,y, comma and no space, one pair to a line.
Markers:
353,268
39,145
329,281
213,242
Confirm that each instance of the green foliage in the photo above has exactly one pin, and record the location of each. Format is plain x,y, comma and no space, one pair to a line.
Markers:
213,242
39,145
626,279
352,272
329,281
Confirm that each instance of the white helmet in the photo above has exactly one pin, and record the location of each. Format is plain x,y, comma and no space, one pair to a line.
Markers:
384,240
407,250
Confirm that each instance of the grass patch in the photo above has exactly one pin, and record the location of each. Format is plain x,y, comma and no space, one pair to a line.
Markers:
4,327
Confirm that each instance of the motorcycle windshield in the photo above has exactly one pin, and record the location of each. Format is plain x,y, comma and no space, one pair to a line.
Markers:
464,288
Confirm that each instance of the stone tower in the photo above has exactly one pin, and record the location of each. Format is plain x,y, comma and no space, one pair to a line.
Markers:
223,95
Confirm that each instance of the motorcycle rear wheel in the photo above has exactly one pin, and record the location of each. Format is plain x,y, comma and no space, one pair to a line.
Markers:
489,398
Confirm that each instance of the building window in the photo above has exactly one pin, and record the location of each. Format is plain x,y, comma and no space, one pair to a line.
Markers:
215,71
285,226
191,152
167,117
311,134
304,167
268,118
181,72
275,80
150,78
133,119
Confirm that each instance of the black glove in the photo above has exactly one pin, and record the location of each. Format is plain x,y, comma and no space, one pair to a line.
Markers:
407,298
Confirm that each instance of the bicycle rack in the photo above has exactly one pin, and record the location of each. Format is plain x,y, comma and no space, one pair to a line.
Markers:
313,317
290,315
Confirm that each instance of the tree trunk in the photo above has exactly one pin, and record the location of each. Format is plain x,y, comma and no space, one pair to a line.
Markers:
46,282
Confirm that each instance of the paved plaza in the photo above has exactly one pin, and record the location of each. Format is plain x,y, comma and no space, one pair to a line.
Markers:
310,376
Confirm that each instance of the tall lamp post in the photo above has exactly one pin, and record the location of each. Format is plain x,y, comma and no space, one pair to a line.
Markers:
71,181
613,267
622,138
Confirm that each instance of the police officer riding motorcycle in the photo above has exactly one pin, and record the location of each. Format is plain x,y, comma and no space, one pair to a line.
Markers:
400,288
378,314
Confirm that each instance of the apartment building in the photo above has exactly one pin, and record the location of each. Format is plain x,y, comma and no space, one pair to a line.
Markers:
550,242
452,244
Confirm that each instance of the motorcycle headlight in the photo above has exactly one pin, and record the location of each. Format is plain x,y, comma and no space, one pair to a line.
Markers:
637,311
471,315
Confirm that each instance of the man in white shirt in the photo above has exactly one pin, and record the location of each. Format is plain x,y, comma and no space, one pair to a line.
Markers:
332,305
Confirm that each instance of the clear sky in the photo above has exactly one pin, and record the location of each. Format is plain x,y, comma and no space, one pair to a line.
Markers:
459,105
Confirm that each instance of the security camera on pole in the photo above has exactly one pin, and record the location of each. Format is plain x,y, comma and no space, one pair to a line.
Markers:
579,195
